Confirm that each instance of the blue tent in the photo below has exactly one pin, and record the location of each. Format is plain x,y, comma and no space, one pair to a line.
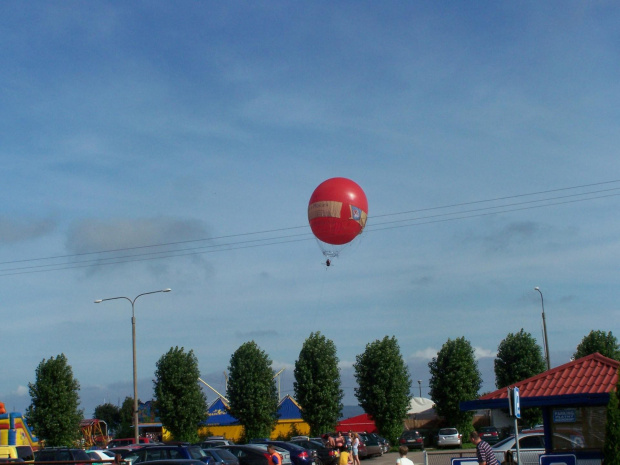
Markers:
218,414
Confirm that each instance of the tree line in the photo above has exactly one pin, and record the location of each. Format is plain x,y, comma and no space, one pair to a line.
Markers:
382,375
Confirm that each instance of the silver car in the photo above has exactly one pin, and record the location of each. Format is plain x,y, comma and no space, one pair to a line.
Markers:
532,446
449,437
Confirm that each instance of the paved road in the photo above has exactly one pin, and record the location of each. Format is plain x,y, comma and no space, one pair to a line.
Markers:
417,457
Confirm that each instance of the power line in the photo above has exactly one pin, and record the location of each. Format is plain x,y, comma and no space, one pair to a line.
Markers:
275,237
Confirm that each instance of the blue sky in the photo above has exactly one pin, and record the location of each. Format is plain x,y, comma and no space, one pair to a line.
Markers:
167,138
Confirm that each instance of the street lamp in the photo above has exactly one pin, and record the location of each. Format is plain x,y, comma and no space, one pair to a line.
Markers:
135,368
546,341
420,386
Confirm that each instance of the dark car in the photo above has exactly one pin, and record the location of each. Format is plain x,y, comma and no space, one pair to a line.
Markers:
207,443
174,462
61,454
247,454
169,452
489,434
384,442
412,439
221,456
373,447
299,454
323,454
121,442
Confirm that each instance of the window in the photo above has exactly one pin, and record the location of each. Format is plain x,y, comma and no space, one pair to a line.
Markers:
532,442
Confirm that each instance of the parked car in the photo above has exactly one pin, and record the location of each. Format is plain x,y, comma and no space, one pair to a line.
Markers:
124,451
373,447
489,434
221,456
249,454
384,442
449,437
168,452
61,454
174,462
101,455
286,455
215,443
412,439
121,442
299,455
532,446
323,454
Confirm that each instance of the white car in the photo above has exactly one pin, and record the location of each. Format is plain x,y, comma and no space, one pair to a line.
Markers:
101,455
531,446
449,437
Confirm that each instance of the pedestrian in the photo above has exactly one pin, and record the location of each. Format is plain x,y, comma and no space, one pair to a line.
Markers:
355,444
403,460
339,440
344,457
347,440
483,450
274,457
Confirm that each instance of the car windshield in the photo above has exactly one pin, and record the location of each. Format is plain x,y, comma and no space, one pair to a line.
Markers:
487,429
503,441
223,454
196,452
446,431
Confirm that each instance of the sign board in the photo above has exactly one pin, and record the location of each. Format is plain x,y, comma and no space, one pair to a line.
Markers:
564,415
517,403
465,461
560,459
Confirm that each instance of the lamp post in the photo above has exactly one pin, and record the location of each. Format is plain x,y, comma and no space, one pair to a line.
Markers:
135,367
420,386
546,341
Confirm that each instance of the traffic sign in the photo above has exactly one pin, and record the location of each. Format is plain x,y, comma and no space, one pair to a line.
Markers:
559,459
465,461
517,403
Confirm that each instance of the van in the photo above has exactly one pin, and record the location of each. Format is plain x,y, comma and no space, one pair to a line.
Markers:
122,442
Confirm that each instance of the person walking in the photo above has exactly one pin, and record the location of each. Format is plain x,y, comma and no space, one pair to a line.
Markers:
274,457
403,460
483,450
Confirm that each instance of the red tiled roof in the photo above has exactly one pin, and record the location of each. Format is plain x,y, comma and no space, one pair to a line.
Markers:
594,374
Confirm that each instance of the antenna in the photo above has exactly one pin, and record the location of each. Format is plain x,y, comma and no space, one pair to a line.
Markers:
210,387
277,375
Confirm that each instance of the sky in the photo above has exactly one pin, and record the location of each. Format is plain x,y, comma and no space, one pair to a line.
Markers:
148,145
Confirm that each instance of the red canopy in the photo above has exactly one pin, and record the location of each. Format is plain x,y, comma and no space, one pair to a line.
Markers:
359,424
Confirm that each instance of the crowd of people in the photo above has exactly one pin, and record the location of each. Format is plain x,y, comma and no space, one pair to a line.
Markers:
348,445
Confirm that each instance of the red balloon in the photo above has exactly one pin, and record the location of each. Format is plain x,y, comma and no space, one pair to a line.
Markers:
337,211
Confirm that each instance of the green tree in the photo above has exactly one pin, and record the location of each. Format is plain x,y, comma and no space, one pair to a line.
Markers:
125,428
519,358
611,448
109,413
53,411
180,402
317,384
598,341
252,394
455,378
384,386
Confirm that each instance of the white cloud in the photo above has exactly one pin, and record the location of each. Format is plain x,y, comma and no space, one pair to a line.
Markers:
479,353
427,353
22,391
